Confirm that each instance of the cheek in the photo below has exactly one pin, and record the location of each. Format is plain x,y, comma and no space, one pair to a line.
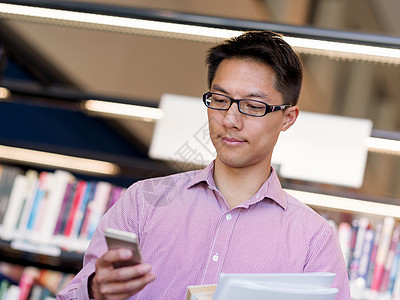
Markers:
266,133
213,121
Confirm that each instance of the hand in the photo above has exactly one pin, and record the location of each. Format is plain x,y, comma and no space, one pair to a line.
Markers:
118,283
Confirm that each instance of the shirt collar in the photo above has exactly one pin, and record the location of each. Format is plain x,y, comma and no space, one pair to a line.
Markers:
271,189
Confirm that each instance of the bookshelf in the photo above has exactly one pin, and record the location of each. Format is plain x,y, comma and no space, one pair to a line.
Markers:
66,262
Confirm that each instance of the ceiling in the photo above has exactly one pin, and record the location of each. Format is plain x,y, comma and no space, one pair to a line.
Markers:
143,68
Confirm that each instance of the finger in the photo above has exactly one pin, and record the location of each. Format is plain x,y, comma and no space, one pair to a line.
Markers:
105,275
125,289
112,256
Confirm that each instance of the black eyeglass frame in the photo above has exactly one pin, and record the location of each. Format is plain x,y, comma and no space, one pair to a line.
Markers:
268,108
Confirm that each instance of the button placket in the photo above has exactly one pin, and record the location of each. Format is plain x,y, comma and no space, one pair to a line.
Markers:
220,247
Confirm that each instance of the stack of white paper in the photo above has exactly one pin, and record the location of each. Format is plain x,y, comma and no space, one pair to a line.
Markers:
282,286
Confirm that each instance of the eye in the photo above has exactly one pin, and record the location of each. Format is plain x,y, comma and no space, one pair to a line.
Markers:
254,105
219,99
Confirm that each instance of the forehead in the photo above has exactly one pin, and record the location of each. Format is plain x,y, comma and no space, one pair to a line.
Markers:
245,77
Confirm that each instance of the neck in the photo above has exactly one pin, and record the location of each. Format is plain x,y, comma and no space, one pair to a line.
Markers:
239,184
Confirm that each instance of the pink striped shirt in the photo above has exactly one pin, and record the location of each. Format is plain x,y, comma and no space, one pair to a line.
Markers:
189,235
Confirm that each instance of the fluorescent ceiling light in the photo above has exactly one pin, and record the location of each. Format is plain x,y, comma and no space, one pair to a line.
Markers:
4,94
114,21
114,109
345,50
346,204
52,160
194,32
383,145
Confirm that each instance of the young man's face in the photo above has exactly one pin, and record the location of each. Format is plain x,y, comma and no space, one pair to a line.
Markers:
242,140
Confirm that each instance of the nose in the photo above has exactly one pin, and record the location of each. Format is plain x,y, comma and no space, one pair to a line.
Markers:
232,117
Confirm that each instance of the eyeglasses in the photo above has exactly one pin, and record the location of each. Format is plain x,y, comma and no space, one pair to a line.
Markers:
249,107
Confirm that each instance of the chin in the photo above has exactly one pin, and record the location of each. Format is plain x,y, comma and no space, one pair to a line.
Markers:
233,162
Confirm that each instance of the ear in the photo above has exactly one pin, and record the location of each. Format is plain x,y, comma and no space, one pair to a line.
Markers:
291,115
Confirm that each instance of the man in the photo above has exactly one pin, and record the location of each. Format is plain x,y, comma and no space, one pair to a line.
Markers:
231,217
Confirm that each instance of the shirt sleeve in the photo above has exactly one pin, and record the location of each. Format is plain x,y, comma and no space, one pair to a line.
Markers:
325,255
123,215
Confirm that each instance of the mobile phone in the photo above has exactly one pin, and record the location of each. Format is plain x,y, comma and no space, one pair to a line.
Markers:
123,239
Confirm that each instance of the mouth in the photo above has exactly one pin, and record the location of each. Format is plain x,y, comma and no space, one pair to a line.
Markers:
231,140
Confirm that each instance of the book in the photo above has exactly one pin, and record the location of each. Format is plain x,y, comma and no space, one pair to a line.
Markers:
67,204
344,236
390,258
358,247
13,292
75,205
96,209
27,280
68,193
365,254
283,286
81,209
42,212
201,292
33,183
4,284
55,198
383,247
8,174
51,280
42,187
84,214
17,197
36,292
394,283
374,250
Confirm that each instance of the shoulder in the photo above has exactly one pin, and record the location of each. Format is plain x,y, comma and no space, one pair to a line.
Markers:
166,188
307,216
178,180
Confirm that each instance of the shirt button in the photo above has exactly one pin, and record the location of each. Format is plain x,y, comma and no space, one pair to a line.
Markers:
215,257
228,217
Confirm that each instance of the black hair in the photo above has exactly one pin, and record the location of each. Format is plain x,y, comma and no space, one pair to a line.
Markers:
267,47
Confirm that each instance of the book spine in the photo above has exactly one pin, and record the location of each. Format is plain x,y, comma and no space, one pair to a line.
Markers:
68,191
6,182
84,227
365,255
40,194
17,196
383,248
76,201
394,272
353,239
97,207
80,213
65,212
61,179
4,284
26,282
390,258
359,242
374,250
42,212
13,292
22,230
344,235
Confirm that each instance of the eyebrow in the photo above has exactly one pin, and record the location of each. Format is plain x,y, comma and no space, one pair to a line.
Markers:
253,94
